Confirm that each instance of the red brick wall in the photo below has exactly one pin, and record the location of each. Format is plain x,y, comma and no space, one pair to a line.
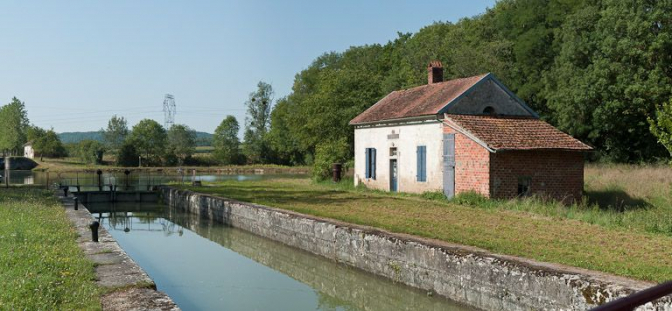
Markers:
472,169
555,174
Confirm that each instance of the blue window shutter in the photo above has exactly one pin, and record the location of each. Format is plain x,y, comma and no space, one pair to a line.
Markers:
418,156
422,163
367,172
373,163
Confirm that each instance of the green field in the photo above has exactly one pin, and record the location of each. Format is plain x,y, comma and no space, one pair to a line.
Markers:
41,266
627,238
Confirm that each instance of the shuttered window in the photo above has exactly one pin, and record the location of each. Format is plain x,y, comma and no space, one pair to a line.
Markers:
421,153
370,163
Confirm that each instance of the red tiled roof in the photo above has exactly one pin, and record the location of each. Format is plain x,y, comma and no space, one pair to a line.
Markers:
514,133
419,101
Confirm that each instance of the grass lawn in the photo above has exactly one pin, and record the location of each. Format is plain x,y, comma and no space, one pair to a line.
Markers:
41,266
528,228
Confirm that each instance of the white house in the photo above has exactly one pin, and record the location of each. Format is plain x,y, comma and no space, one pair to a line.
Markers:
28,150
468,134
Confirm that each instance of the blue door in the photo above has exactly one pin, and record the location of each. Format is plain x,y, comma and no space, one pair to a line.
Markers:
449,165
394,178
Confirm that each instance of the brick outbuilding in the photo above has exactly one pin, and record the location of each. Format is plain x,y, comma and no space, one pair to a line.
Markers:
469,134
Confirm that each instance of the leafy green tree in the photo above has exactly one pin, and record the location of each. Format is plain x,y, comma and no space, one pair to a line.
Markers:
14,126
284,145
612,70
45,142
257,122
116,132
90,151
594,68
226,142
181,142
128,155
149,137
661,125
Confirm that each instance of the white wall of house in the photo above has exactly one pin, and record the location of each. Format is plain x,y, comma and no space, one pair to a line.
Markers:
410,136
28,151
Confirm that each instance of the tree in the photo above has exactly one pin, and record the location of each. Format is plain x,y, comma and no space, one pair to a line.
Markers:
45,142
116,132
613,68
285,146
257,122
226,141
181,142
127,155
90,151
13,126
149,137
661,125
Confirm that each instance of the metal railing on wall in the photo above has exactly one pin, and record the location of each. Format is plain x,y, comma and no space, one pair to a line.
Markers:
637,299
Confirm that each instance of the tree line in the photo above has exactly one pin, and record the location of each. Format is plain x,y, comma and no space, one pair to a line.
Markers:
600,70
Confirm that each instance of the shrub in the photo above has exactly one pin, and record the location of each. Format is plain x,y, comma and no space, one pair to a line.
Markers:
127,155
471,198
328,153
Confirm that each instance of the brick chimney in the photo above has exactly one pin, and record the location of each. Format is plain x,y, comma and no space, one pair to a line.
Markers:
434,72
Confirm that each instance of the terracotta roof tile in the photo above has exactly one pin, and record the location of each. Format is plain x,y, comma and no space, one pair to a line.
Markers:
418,101
514,133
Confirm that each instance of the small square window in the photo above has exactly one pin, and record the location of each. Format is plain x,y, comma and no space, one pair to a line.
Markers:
524,184
393,151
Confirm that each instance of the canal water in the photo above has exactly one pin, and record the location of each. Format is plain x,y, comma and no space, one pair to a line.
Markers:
136,180
205,265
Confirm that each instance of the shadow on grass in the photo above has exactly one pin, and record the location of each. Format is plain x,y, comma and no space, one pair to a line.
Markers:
616,200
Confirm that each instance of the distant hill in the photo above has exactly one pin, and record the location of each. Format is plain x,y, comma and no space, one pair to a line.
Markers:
75,137
202,138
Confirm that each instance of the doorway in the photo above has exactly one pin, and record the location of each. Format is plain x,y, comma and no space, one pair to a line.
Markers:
394,176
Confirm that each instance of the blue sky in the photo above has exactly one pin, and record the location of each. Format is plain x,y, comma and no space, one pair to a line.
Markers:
77,63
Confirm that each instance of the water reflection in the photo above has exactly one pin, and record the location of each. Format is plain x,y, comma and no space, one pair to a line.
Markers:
243,271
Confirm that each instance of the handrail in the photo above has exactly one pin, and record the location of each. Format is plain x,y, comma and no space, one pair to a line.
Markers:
638,298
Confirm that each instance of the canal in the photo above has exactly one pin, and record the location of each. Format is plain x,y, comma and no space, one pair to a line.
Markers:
204,265
135,180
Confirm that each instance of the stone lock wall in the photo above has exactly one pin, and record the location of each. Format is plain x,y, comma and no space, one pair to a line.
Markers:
464,274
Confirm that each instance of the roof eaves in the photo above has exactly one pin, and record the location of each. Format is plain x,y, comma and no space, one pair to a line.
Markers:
590,149
463,94
461,130
405,119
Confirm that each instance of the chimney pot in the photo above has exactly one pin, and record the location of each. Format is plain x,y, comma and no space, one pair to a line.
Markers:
434,72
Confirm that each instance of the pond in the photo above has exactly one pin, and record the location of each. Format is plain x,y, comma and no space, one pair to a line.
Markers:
204,265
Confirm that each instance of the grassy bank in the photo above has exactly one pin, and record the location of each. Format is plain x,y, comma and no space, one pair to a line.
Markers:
625,197
41,266
528,228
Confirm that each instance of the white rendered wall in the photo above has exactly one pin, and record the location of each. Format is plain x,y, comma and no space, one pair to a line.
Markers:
410,136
